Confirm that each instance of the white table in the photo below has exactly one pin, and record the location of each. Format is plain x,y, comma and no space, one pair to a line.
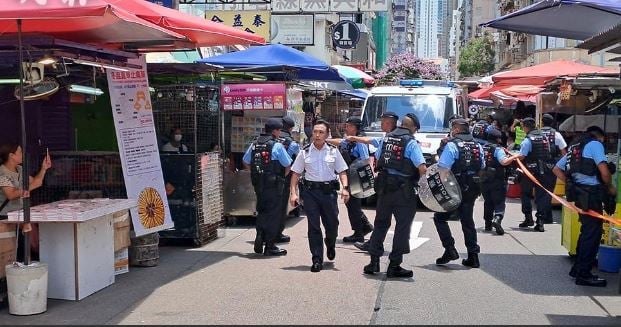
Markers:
76,240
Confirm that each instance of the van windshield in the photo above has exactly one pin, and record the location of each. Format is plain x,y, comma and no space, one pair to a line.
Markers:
433,110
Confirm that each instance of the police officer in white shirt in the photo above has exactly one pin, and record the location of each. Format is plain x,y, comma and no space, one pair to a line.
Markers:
319,163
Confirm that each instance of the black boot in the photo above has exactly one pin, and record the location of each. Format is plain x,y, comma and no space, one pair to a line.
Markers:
539,225
282,238
448,255
362,246
373,266
488,226
273,251
355,237
496,224
472,261
258,242
591,280
330,248
528,221
396,271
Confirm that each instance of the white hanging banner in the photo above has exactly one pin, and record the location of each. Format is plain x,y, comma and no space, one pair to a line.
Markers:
140,157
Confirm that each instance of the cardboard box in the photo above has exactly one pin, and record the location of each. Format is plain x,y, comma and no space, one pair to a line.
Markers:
121,261
7,246
121,230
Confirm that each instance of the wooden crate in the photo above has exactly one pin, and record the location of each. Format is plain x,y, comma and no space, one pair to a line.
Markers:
121,230
7,256
7,246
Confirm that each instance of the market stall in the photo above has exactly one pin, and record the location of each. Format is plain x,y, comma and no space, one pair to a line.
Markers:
186,101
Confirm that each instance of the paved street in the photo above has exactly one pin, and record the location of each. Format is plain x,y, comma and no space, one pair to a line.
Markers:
523,280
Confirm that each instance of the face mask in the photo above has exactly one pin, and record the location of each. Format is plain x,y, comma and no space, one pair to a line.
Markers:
178,137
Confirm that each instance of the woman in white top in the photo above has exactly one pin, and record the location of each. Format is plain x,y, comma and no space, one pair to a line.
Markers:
11,158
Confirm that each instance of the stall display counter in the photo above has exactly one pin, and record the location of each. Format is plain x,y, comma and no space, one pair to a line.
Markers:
76,240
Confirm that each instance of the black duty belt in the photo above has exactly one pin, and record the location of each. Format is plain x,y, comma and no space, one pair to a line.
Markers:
326,186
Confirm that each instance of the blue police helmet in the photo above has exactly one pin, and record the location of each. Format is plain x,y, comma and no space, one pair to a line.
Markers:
272,124
414,118
287,122
528,122
493,134
390,114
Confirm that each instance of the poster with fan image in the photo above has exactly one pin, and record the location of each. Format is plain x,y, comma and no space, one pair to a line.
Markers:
140,157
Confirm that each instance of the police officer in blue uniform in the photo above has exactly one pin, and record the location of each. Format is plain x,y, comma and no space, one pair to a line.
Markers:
536,152
400,163
588,182
464,157
293,148
558,146
352,151
320,163
269,163
494,181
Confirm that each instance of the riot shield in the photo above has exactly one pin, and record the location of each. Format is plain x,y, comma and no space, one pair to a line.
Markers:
437,194
361,179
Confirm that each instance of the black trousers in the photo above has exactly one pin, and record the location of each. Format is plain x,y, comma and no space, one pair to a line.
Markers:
403,207
494,195
357,218
543,200
464,212
269,202
321,208
284,205
590,230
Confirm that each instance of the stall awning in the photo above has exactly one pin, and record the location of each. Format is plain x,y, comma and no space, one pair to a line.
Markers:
274,58
199,31
538,75
95,22
514,93
603,40
570,19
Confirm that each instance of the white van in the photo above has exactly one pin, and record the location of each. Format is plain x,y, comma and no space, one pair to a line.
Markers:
433,102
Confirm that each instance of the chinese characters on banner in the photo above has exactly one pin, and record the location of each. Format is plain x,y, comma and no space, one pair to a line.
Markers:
140,158
253,96
289,6
256,22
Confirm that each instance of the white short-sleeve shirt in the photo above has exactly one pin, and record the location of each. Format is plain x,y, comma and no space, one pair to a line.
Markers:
319,165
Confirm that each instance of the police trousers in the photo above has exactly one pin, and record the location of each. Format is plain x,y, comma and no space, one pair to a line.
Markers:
588,197
285,204
494,194
357,218
464,212
269,202
402,205
321,208
543,200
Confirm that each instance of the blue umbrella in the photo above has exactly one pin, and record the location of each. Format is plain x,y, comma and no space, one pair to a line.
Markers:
275,58
570,19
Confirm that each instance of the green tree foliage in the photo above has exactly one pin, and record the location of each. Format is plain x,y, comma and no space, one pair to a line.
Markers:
476,58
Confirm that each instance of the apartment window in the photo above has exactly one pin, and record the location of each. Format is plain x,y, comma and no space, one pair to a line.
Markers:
546,42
